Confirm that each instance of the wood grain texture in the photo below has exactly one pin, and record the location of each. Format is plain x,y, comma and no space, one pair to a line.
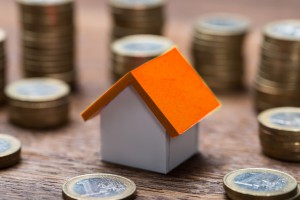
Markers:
229,138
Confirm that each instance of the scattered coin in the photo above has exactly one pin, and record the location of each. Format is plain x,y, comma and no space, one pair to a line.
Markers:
132,17
132,51
260,184
30,100
217,50
280,127
10,151
48,38
98,187
277,81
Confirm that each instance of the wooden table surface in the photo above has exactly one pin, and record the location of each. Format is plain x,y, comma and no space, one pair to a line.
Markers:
229,138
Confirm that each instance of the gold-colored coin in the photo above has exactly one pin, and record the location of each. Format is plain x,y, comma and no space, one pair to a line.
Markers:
260,184
98,187
10,151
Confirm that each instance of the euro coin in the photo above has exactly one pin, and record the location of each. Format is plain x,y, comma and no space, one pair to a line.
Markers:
10,151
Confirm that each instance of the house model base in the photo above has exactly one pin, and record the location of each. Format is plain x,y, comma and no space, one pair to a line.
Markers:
131,135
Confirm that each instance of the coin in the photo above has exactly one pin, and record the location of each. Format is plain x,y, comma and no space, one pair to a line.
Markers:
98,186
217,47
280,65
31,99
131,17
259,183
10,151
132,51
48,38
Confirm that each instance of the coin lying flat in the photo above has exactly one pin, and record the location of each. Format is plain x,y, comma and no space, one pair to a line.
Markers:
280,127
132,51
98,187
10,150
259,184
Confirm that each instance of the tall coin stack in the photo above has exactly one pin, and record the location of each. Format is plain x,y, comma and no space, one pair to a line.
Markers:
48,35
137,17
279,131
278,79
132,51
2,65
217,50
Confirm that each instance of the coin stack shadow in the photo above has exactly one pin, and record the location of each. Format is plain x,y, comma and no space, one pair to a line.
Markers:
137,17
278,79
132,51
279,133
48,35
38,103
217,50
2,65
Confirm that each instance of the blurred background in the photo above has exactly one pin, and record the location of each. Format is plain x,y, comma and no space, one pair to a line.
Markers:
93,21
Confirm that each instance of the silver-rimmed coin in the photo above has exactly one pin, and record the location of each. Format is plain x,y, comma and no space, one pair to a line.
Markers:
44,2
136,4
141,45
98,187
10,150
282,118
260,184
37,90
284,30
222,24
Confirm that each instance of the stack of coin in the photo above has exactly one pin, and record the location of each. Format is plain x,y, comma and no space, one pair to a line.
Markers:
217,50
2,65
132,17
38,102
260,184
99,186
279,132
132,51
10,151
278,79
48,35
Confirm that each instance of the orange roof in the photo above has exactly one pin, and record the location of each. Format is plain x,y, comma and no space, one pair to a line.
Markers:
171,88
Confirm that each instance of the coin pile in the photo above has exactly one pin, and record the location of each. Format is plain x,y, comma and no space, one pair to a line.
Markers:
2,65
217,50
132,17
38,102
260,184
48,35
10,151
99,186
279,132
132,51
278,79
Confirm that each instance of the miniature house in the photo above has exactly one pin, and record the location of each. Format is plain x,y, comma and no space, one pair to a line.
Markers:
150,117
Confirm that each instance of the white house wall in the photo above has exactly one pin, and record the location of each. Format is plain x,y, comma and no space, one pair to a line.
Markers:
183,147
131,135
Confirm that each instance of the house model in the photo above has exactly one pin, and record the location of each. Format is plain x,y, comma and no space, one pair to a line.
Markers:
149,119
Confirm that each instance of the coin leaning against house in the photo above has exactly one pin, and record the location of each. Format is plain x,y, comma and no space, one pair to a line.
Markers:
98,187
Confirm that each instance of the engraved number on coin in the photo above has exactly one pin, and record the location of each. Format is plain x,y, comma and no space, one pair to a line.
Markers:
286,119
4,145
99,187
260,182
